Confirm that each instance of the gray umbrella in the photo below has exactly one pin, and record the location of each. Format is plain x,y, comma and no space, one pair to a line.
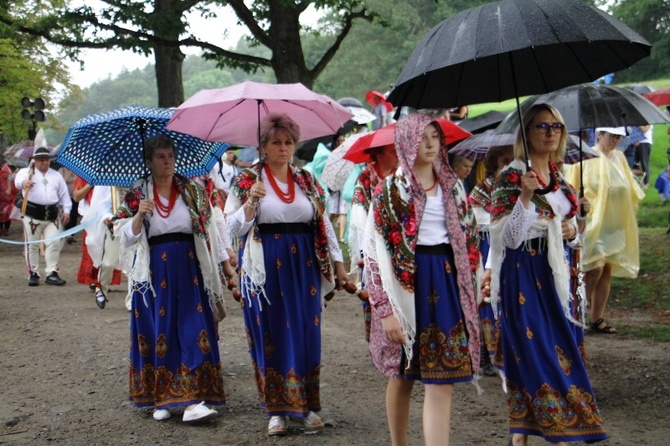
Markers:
592,105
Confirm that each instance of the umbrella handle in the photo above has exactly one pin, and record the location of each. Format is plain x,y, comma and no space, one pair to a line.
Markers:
550,186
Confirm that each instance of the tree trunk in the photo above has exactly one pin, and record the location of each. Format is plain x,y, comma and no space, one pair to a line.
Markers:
169,61
288,60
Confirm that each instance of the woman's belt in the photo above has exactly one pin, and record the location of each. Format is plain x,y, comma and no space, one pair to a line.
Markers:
48,212
441,249
170,237
284,228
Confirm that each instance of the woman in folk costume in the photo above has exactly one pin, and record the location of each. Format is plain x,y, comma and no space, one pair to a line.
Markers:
170,249
289,262
548,389
94,201
421,256
384,161
480,199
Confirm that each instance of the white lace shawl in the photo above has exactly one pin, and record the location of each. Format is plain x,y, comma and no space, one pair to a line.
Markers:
520,226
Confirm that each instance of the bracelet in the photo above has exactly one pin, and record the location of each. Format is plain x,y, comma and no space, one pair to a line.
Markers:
251,203
580,218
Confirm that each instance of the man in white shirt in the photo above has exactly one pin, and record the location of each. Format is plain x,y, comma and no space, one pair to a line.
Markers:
47,211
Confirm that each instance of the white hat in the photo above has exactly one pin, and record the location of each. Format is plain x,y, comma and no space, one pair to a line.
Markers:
613,130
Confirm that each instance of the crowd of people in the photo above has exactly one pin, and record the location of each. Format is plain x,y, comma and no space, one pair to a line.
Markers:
453,282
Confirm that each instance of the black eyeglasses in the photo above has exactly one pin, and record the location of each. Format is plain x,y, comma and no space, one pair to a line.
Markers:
543,127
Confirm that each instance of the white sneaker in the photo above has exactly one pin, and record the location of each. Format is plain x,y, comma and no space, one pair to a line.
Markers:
162,414
199,413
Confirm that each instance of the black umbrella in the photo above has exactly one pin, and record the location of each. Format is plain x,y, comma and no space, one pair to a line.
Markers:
514,48
590,105
483,122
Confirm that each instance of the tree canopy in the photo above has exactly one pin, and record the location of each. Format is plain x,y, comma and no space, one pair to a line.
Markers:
28,68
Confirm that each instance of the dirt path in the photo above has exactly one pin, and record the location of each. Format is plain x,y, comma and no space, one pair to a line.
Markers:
64,378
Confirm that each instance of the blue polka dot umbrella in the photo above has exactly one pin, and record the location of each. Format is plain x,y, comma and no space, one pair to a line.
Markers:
107,149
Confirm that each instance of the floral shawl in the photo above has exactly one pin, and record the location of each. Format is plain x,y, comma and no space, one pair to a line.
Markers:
480,197
506,193
397,207
204,234
254,273
360,207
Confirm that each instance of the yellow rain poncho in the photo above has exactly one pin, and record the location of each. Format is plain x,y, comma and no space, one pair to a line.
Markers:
611,234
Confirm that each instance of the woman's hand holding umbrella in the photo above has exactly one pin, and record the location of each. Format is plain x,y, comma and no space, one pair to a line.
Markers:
529,184
256,192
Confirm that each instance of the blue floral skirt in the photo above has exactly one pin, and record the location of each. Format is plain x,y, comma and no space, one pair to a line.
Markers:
548,390
174,355
284,331
440,352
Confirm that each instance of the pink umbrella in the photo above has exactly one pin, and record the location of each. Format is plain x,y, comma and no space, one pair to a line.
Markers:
233,114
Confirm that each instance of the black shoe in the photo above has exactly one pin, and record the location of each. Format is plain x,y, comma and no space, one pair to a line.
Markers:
100,298
53,279
34,279
92,287
70,240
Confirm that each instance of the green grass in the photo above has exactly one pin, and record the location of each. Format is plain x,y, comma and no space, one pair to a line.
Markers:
651,290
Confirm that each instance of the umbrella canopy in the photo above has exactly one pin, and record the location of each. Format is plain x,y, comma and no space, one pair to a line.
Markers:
513,48
107,149
372,95
233,114
640,88
337,169
572,149
483,122
659,97
19,154
350,102
477,146
590,105
358,153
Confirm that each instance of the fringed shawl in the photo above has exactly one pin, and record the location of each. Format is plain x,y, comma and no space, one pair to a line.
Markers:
398,205
480,197
506,193
253,273
204,235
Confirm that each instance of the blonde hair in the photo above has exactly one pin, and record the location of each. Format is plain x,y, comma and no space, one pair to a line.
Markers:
519,150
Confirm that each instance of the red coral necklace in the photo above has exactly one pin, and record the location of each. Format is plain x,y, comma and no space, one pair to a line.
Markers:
287,197
434,183
552,171
164,211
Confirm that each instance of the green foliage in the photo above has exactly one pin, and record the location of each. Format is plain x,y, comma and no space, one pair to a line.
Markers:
651,19
373,55
28,68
